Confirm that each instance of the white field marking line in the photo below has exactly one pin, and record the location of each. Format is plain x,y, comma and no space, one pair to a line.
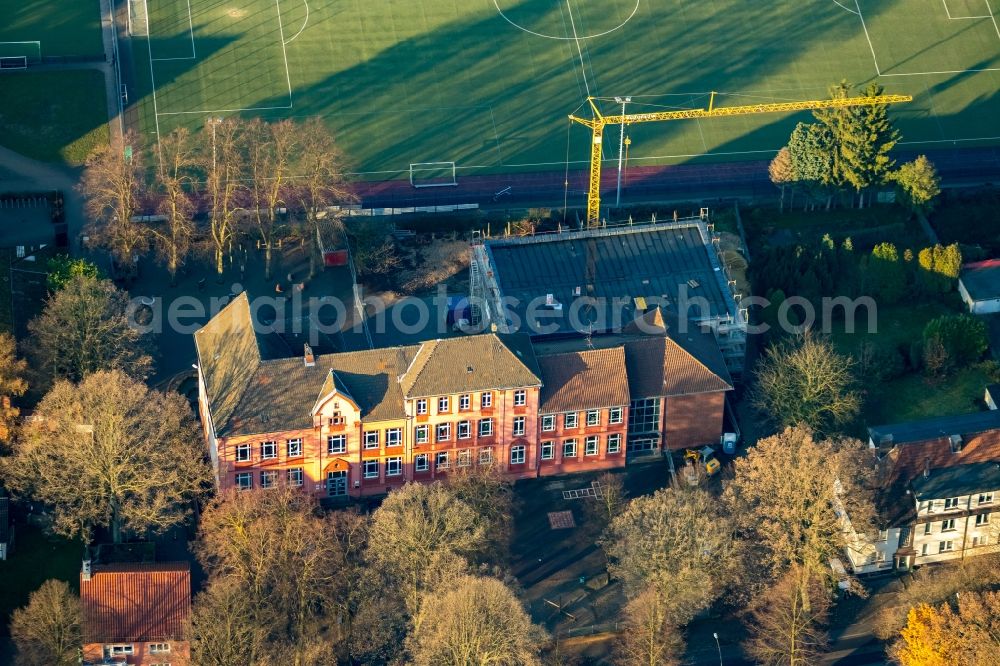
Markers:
846,9
304,24
281,34
947,71
978,138
496,136
992,17
868,37
194,54
930,106
152,77
252,108
583,67
566,39
962,18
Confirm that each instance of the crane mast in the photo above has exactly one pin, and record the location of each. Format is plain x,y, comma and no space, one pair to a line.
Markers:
600,121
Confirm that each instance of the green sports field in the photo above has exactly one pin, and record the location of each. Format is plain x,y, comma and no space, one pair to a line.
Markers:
50,27
488,84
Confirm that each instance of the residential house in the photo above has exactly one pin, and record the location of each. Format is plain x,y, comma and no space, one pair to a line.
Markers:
136,613
938,480
979,286
355,424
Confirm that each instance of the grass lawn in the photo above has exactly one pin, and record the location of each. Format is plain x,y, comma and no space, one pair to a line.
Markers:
488,84
35,559
54,116
64,27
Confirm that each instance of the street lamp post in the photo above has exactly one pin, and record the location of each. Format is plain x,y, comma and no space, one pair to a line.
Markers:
621,150
718,647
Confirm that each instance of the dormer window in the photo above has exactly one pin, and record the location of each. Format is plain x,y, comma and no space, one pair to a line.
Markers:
956,443
421,406
337,419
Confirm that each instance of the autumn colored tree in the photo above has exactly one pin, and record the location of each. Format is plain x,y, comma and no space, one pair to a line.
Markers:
114,184
917,184
926,640
12,384
788,493
47,632
110,452
782,173
175,182
475,620
804,380
84,328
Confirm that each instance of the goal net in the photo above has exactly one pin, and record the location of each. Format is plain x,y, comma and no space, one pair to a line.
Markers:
18,55
138,19
433,174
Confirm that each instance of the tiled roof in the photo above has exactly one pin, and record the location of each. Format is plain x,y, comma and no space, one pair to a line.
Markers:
904,462
584,380
228,356
957,481
136,602
659,366
928,429
471,363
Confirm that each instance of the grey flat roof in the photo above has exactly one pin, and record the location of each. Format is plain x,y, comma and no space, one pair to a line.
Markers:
943,426
653,262
982,279
957,480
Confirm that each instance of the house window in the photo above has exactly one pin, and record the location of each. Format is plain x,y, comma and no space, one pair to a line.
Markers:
295,476
464,430
616,415
294,448
442,405
644,416
548,423
337,419
520,398
569,448
614,443
950,503
243,453
486,428
464,401
517,455
883,535
422,434
946,546
927,528
518,426
393,437
421,463
986,498
443,432
486,456
336,444
441,460
371,439
421,406
880,557
118,650
486,401
570,420
159,648
371,469
244,480
548,450
268,479
393,466
923,550
464,458
594,417
268,450
982,519
948,525
590,446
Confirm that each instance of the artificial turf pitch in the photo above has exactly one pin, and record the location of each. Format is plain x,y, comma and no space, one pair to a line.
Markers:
488,84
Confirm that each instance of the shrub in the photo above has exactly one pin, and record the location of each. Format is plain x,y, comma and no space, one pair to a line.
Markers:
953,340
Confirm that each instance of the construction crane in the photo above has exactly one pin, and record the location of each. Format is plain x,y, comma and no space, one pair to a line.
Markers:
600,121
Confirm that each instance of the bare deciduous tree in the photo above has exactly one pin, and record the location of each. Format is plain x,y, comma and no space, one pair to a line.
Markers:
423,533
113,184
787,621
110,452
650,636
490,495
174,181
85,328
225,169
12,384
47,630
227,628
677,542
272,149
609,503
786,494
475,620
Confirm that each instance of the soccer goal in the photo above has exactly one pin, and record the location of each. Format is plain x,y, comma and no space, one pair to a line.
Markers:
433,174
18,55
138,18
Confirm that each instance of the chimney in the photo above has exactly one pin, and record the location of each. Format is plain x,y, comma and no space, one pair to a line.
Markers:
85,570
307,356
927,468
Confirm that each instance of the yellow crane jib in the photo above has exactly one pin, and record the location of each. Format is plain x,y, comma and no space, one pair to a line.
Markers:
600,121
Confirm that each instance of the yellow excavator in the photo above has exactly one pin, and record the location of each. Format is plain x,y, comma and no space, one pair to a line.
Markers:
703,459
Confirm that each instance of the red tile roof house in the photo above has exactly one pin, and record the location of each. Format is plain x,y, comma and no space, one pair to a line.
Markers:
136,613
357,424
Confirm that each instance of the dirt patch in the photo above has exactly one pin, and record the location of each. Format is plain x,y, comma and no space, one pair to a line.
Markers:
434,262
